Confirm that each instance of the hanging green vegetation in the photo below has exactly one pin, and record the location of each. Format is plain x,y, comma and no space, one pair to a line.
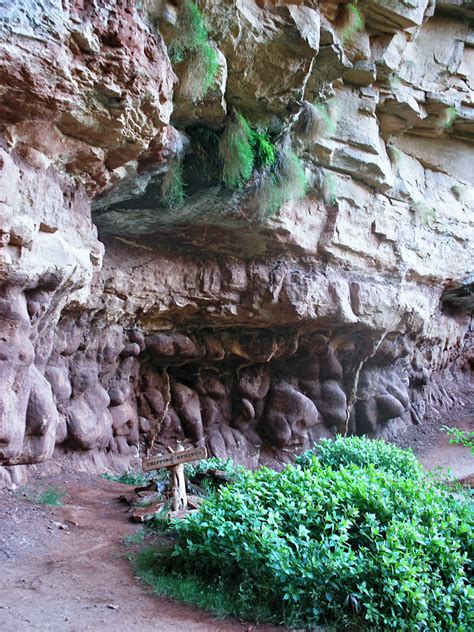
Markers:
192,43
274,173
350,21
447,118
263,149
291,177
172,187
278,175
191,32
200,74
236,151
329,188
283,182
315,120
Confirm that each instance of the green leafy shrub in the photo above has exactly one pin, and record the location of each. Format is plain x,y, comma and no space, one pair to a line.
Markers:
460,437
172,186
328,541
236,151
136,478
341,452
233,470
192,42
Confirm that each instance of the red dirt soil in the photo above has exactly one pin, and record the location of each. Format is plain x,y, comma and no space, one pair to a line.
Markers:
77,578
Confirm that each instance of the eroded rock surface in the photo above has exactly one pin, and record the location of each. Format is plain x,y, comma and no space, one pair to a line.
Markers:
346,312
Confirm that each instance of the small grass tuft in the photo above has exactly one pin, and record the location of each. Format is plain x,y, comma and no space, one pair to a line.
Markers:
447,117
349,21
137,478
424,211
316,120
50,496
138,537
395,155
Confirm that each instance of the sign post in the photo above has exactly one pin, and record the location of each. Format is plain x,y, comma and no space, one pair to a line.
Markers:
175,462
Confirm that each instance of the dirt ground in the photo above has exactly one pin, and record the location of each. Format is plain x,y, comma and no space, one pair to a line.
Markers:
431,443
64,569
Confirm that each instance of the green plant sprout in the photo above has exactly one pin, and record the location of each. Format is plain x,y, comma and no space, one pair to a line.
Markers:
192,43
460,437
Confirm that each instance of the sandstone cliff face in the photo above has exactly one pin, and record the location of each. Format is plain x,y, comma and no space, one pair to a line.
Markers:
206,323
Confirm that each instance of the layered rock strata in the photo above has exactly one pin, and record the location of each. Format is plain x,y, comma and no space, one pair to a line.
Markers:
346,312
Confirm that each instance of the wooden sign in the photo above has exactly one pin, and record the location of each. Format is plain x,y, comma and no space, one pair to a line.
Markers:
173,459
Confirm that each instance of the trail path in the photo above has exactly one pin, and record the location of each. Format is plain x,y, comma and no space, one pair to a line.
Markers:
77,579
431,443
